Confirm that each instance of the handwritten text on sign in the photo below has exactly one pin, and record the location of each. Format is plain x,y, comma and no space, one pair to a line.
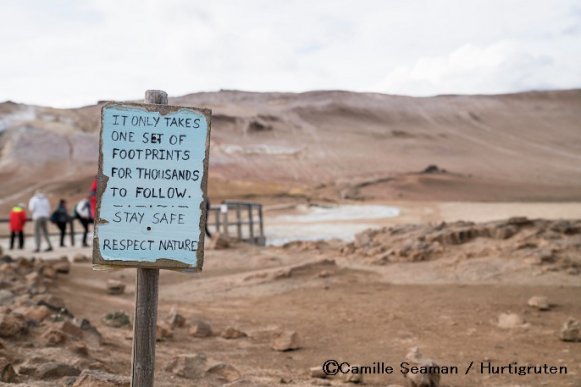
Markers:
151,206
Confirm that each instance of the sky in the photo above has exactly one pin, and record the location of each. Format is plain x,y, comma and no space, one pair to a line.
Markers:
71,53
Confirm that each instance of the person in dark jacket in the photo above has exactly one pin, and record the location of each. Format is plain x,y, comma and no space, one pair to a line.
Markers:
17,221
61,218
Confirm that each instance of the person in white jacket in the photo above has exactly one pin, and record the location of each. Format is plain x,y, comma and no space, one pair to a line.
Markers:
39,207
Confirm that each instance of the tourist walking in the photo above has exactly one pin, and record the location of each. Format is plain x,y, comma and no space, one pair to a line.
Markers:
17,221
39,207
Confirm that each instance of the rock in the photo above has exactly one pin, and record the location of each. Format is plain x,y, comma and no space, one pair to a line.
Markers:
69,328
286,341
7,373
93,378
324,274
200,328
539,302
415,358
5,296
12,325
115,287
54,370
317,372
510,321
117,319
54,303
354,378
80,258
78,347
48,271
571,330
53,337
188,366
218,242
91,335
175,319
163,331
37,313
63,266
224,372
232,333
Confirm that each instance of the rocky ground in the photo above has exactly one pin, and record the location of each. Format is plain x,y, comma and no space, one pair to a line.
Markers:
272,316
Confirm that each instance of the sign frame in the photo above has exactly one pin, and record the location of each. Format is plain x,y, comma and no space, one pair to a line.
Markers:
99,262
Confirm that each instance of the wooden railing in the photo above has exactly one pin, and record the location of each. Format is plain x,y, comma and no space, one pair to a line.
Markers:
238,220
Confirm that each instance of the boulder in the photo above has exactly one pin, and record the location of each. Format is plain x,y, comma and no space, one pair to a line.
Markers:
200,328
232,333
286,341
539,302
571,330
188,366
224,372
115,287
94,378
53,337
37,313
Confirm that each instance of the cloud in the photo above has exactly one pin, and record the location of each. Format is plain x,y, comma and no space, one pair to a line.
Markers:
502,67
69,53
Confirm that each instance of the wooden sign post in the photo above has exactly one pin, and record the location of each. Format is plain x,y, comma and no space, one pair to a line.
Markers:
151,203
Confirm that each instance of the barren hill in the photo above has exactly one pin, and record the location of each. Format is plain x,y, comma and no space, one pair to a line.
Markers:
333,144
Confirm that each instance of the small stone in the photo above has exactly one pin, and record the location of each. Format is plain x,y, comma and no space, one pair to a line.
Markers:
115,287
117,319
232,333
80,258
224,372
200,328
317,372
7,373
571,330
175,319
54,370
163,331
539,302
188,366
324,274
69,328
286,341
94,378
12,325
510,320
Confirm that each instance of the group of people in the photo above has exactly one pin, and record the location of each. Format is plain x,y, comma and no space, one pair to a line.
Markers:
40,210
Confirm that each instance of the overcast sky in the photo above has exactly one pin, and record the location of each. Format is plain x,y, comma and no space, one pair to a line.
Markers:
75,52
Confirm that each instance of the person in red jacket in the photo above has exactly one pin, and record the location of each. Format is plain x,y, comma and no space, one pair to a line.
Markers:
93,197
17,221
